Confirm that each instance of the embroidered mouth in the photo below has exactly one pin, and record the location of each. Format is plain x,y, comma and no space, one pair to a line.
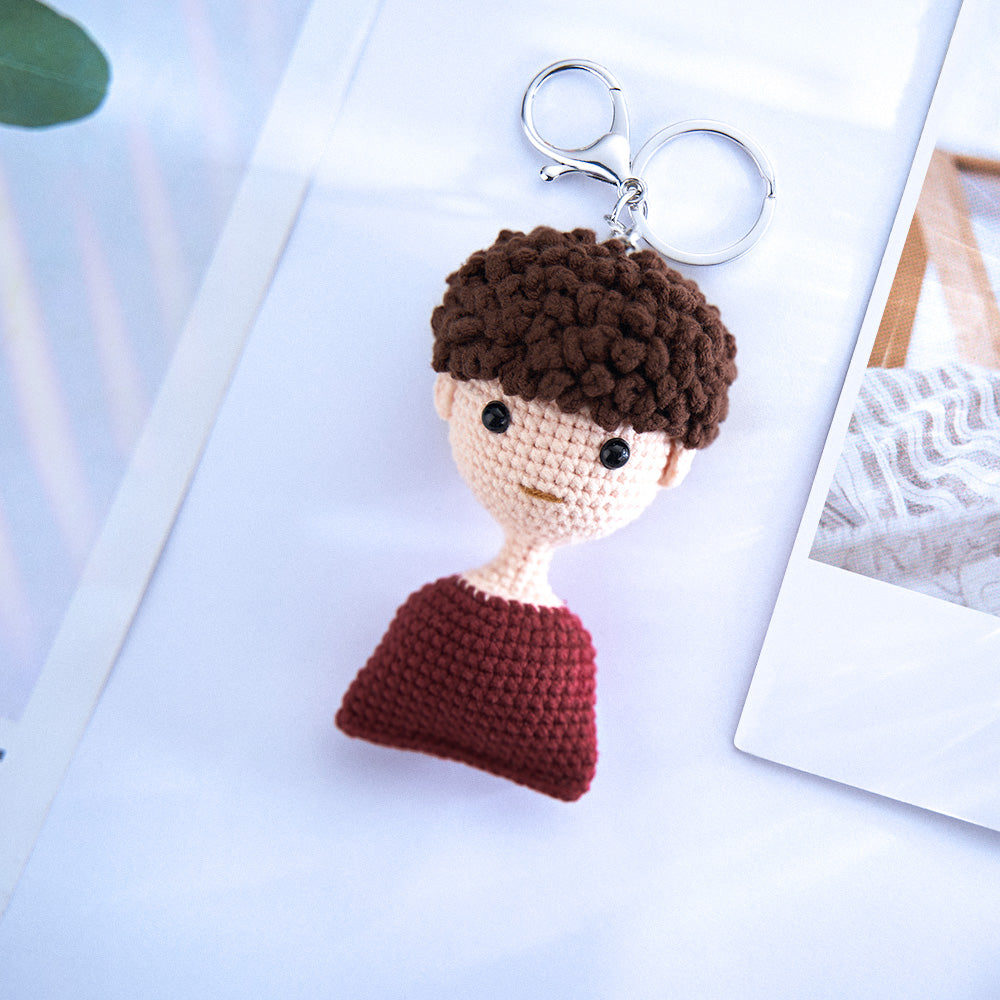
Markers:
540,494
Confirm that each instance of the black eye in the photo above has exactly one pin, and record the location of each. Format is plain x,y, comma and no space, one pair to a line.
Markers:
496,417
614,453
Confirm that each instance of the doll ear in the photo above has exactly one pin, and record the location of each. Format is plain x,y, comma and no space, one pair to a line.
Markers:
444,395
678,465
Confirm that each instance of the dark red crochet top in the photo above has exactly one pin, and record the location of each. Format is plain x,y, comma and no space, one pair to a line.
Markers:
506,687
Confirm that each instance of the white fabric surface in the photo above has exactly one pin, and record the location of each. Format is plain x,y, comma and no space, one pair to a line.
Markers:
216,837
915,499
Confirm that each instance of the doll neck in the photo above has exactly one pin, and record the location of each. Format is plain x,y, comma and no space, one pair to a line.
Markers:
519,573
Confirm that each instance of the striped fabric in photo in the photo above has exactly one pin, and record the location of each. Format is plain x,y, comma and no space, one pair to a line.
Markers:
916,496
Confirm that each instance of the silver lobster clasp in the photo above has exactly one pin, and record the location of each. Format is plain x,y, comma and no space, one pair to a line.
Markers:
608,158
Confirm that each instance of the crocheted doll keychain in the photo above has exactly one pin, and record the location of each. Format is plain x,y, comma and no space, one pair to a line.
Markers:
577,378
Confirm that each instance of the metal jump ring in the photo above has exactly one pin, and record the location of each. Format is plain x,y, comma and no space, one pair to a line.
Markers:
631,196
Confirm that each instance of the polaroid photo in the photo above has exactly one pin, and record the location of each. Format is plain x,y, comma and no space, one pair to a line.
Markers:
881,664
136,248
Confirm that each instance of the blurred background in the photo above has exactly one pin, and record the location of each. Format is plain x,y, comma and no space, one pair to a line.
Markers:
107,224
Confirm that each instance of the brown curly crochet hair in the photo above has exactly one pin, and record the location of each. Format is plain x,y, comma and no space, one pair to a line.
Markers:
559,317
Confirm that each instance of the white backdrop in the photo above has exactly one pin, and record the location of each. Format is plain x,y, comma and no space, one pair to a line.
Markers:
217,837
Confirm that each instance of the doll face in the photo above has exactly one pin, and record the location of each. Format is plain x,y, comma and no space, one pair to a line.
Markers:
551,476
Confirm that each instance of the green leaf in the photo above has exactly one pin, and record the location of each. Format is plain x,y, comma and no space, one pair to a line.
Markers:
51,71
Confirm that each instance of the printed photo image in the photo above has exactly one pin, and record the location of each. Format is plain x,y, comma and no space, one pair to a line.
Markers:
915,500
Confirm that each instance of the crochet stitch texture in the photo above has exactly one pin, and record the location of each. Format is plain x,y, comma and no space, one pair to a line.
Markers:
586,500
549,346
559,317
503,686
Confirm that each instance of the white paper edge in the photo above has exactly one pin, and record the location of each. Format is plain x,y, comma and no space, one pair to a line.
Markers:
295,133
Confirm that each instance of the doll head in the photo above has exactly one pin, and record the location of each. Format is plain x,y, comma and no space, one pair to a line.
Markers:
577,379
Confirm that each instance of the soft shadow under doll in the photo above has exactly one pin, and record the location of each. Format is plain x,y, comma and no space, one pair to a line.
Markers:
577,379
